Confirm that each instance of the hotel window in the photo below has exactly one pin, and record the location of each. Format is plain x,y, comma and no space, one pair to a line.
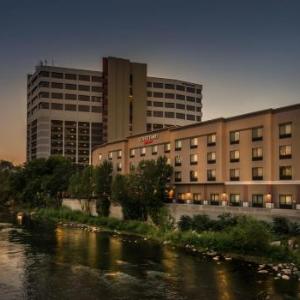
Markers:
57,95
193,175
154,149
191,99
177,176
211,157
257,200
169,86
120,154
158,114
177,160
257,154
158,95
84,88
149,113
132,153
84,77
158,104
180,97
196,198
180,106
190,108
119,167
169,96
235,199
96,79
193,143
180,116
193,159
178,145
57,85
285,201
234,137
180,87
235,156
214,199
158,85
190,117
149,84
285,152
190,90
56,75
211,175
56,106
149,94
143,151
70,97
149,103
257,173
285,173
169,105
211,139
285,130
169,114
71,76
234,174
257,134
167,147
110,155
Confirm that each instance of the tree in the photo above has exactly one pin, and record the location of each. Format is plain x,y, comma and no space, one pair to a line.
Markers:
103,176
6,169
82,186
142,192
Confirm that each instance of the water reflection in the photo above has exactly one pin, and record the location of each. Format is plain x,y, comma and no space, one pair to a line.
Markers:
44,262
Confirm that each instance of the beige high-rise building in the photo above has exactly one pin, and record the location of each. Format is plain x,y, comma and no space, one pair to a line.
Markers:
247,160
70,111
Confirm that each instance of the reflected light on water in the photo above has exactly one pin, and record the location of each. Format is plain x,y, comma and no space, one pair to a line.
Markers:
223,285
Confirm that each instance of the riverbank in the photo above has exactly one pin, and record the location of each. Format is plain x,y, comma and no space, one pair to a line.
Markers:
247,241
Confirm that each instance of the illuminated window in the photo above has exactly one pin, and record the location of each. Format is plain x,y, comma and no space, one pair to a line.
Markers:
194,142
193,159
285,172
143,151
177,160
167,147
234,174
211,139
193,175
257,154
285,201
257,134
110,155
235,199
285,130
132,152
177,176
235,156
285,152
211,175
257,173
178,145
120,154
154,149
211,157
234,137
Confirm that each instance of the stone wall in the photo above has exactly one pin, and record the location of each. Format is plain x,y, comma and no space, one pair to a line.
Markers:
177,210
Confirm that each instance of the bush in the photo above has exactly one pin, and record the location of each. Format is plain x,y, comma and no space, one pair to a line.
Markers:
281,225
224,221
201,223
249,236
185,223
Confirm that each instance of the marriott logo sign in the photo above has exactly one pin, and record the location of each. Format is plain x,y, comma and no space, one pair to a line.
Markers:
148,139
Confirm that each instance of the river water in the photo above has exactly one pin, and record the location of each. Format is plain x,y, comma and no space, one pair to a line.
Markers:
46,262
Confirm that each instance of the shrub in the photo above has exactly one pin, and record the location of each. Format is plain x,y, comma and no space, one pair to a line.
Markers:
185,223
281,225
249,236
224,221
201,223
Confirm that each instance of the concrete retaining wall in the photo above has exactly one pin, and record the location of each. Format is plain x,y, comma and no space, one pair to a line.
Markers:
177,210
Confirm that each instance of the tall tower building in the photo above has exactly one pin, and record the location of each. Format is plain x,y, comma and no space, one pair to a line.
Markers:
70,111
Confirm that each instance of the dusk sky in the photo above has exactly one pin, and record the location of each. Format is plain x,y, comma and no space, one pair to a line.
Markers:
245,53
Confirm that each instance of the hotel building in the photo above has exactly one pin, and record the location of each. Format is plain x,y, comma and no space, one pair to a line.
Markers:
247,160
70,111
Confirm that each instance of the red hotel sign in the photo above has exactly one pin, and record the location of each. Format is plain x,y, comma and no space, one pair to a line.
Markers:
148,139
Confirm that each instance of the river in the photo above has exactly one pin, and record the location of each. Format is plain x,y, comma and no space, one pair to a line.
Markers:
47,262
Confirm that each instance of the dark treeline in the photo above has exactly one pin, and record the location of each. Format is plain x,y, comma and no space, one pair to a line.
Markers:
45,182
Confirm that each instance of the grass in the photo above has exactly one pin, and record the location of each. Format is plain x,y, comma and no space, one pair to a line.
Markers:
246,238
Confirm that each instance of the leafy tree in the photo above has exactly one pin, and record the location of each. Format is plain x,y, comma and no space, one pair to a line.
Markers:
6,170
103,177
142,192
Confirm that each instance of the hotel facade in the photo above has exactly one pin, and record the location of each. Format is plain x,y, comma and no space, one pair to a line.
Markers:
70,111
251,160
